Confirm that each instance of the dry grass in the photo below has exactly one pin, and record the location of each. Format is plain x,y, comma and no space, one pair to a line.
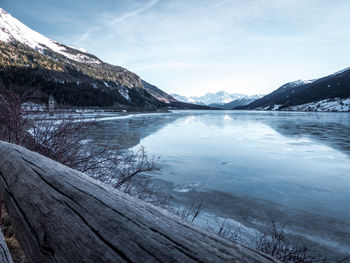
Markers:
11,240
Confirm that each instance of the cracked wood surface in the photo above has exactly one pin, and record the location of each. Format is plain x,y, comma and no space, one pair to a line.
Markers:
62,215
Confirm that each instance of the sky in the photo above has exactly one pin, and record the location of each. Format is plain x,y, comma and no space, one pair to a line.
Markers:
191,47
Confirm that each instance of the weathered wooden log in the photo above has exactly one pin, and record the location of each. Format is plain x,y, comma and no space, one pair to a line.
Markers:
62,215
5,255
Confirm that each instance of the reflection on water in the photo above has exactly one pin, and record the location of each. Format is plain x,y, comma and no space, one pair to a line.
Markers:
251,165
127,132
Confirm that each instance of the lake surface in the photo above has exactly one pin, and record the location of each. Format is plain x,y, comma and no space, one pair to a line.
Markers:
250,166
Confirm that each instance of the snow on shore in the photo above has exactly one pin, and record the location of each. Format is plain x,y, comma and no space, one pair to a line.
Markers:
337,104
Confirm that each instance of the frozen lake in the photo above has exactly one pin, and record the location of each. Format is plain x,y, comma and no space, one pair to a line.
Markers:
251,166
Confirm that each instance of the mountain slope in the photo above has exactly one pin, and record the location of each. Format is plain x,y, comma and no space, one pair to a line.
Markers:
71,83
11,29
73,76
335,87
158,93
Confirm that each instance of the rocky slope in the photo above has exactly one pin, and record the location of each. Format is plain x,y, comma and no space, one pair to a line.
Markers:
158,93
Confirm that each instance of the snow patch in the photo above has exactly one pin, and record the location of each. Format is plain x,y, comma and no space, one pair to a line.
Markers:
276,107
337,104
301,82
12,29
124,92
297,83
30,106
83,50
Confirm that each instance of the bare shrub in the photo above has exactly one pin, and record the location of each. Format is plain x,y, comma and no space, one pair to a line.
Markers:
62,139
13,123
276,244
143,188
227,230
126,165
10,239
189,213
128,171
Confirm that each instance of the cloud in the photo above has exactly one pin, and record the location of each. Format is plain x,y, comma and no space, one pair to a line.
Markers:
172,65
190,45
109,22
133,13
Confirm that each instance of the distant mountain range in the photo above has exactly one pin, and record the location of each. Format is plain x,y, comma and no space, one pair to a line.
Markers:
29,60
330,93
221,99
235,103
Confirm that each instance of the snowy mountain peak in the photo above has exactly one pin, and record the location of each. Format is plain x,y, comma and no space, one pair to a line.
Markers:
220,97
303,82
13,30
300,82
296,83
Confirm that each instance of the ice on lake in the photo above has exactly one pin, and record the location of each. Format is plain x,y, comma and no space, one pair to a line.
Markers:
251,166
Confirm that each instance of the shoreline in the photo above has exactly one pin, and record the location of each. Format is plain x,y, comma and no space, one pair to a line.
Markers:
88,114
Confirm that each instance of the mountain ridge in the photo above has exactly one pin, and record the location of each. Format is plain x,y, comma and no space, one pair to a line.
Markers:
235,103
312,95
218,99
73,76
12,29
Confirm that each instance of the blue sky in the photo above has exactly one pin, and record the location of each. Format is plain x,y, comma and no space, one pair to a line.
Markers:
191,47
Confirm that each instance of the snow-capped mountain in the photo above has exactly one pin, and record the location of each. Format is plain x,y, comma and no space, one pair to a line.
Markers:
218,98
187,99
72,75
330,93
236,103
12,29
298,83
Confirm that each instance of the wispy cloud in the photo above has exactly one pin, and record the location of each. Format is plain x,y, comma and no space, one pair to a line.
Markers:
133,13
173,65
198,46
109,22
